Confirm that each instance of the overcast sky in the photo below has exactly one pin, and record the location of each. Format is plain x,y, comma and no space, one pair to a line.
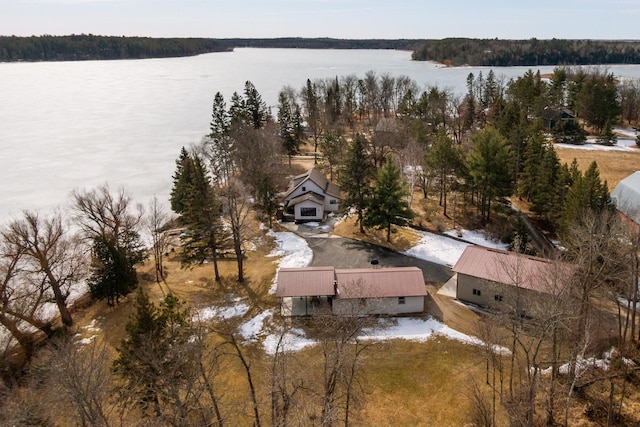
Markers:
510,19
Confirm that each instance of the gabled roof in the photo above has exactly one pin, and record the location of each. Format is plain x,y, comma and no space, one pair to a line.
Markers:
307,196
508,268
627,196
316,177
380,282
307,281
350,283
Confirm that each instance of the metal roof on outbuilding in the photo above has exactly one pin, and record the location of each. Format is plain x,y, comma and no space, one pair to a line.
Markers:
509,268
380,282
626,196
307,281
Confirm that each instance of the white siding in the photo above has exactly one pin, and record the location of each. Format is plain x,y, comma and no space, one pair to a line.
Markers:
366,306
309,204
308,186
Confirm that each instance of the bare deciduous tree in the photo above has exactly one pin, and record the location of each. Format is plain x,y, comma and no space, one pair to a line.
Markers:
50,255
156,220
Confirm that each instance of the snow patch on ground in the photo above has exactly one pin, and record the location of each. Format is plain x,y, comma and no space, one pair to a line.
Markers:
252,329
446,251
223,313
477,237
406,328
293,250
623,144
293,340
438,249
591,362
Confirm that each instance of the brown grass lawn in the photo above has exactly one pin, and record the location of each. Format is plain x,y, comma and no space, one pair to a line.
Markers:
613,165
406,383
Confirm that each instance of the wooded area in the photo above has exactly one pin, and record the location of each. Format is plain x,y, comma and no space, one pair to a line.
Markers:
395,149
89,47
532,52
452,51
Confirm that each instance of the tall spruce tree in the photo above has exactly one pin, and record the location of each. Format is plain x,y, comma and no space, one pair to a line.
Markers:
181,179
154,360
445,159
587,194
488,163
205,236
289,124
355,177
255,107
387,205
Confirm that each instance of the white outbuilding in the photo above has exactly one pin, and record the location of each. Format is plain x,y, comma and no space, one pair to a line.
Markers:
626,197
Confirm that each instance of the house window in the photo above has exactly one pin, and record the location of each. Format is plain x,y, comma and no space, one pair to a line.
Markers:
304,188
498,297
363,302
401,300
477,292
333,202
307,211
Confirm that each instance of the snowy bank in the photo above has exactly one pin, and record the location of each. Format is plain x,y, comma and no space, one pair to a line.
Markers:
293,251
446,251
406,328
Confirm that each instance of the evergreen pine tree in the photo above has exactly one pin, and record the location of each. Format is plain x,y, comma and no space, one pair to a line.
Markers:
181,179
153,358
488,163
255,107
355,177
387,205
607,136
586,194
205,236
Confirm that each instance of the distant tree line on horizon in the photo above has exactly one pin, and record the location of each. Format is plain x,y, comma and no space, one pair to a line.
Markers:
450,51
92,47
532,52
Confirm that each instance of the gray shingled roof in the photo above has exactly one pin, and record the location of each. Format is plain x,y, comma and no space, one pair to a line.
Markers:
321,181
627,196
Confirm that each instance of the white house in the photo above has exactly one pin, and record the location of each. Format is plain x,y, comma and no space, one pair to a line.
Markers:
364,291
311,196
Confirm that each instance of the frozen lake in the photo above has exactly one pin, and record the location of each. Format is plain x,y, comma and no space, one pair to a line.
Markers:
68,125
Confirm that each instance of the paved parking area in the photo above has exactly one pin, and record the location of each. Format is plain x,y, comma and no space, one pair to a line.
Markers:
346,253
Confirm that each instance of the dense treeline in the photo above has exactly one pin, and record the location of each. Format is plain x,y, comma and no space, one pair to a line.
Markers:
452,51
88,47
91,47
325,43
533,52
